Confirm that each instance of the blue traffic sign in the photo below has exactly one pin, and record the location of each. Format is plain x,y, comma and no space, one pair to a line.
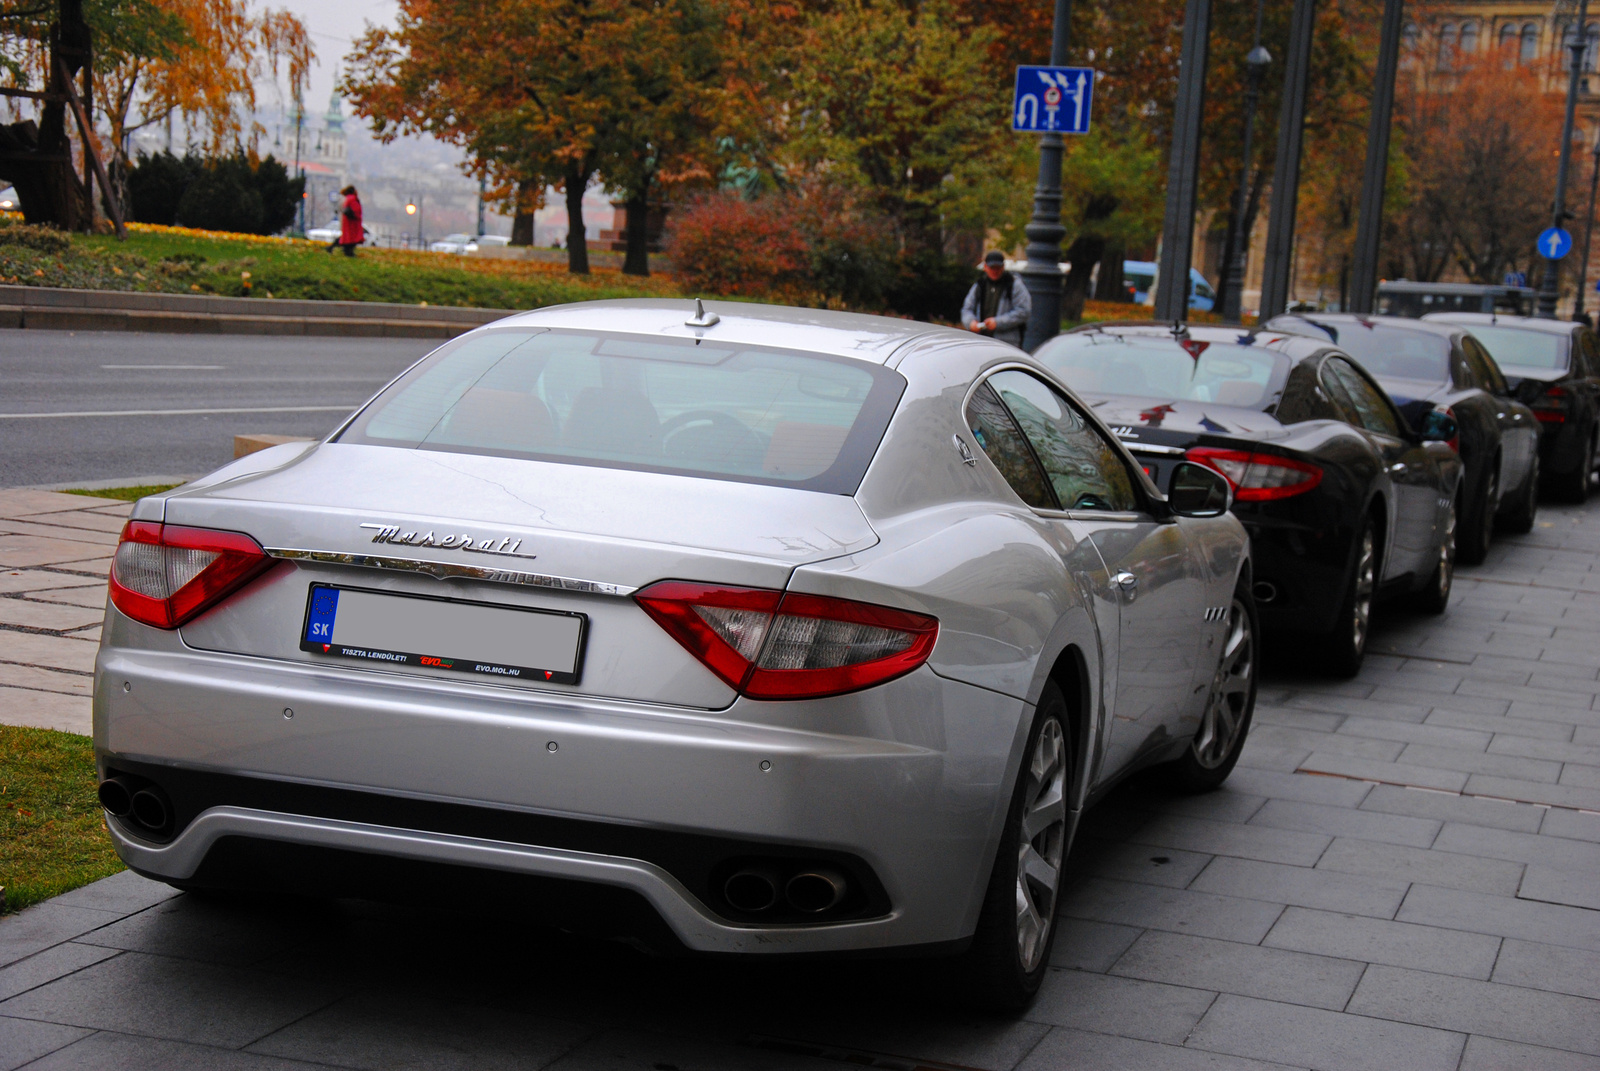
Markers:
1554,243
1052,99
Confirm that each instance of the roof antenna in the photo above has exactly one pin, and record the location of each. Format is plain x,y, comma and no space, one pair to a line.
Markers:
701,317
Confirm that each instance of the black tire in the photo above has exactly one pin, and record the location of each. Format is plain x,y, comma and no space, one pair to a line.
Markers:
1520,520
1574,486
1435,595
1005,966
1230,705
1346,645
1477,521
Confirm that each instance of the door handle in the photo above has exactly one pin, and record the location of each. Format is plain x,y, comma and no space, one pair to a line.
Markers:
1127,583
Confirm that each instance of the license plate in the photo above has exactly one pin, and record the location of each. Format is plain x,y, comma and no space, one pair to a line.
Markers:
450,634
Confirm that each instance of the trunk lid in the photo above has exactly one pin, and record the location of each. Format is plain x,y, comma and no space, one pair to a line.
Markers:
575,538
1167,423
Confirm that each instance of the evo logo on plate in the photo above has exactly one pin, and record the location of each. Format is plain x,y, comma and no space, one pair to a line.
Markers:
392,534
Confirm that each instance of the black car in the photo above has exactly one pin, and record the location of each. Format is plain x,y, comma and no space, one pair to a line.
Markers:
1426,365
1344,502
1554,367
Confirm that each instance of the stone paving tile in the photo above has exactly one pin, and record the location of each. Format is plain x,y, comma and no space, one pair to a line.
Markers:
1519,847
1224,805
1247,970
1412,733
1181,910
45,680
174,999
54,962
1100,1002
1450,807
1337,791
1523,694
1267,1030
1365,708
1081,1050
1552,967
1492,1054
46,710
1302,886
86,519
23,502
36,928
22,1042
1577,825
20,580
632,1050
47,615
1319,742
1347,822
1268,714
1587,799
1389,773
1554,885
52,652
1398,862
1271,757
108,1051
1248,841
381,1031
1527,920
1090,946
23,551
187,927
1512,1013
78,534
1139,862
1578,776
91,598
1398,944
1549,750
1499,724
1586,735
1481,762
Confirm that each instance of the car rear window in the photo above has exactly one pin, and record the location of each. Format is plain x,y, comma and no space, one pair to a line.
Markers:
660,405
1166,368
1529,349
1387,351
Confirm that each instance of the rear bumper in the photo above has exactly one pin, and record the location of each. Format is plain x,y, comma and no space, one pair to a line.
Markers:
904,786
1561,446
1303,557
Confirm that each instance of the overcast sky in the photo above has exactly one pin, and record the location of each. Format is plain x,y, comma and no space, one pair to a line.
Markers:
334,24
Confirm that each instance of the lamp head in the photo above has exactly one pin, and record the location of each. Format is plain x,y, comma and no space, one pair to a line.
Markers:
1259,58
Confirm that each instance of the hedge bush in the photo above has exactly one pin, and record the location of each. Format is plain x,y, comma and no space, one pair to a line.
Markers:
227,193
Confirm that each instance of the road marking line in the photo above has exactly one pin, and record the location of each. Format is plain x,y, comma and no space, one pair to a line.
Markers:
183,412
172,367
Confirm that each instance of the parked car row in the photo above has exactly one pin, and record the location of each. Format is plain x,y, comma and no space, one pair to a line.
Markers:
752,629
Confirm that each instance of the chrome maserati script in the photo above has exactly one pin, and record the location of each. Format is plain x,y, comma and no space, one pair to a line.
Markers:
393,534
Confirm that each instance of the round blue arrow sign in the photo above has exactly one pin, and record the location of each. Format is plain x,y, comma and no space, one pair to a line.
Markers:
1554,243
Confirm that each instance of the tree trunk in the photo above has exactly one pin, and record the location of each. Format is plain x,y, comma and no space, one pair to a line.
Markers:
637,259
577,241
40,157
1084,253
522,220
1110,286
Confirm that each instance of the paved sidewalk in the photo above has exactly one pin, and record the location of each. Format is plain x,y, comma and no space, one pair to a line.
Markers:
1402,875
55,551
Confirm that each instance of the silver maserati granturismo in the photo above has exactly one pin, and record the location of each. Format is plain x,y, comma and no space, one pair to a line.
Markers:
772,629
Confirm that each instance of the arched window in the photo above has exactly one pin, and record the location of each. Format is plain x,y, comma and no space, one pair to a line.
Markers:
1409,37
1447,46
1469,38
1508,44
1530,43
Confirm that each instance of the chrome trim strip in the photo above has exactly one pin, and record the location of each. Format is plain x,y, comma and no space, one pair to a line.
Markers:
446,570
1151,448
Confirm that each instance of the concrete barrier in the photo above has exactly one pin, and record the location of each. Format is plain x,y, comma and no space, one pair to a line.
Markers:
62,309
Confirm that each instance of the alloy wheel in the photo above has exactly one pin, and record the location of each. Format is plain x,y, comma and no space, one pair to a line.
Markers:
1042,843
1366,583
1230,692
1491,506
1447,556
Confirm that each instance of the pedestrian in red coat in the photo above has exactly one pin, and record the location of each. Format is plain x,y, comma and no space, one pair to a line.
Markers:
351,233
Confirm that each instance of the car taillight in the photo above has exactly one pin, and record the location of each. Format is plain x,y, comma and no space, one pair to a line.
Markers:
1454,442
1258,477
771,645
164,574
1551,406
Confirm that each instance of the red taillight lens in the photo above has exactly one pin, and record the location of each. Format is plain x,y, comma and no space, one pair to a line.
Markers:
163,574
1551,406
769,645
1258,477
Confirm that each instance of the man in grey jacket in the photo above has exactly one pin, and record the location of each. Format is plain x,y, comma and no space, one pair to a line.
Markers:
998,304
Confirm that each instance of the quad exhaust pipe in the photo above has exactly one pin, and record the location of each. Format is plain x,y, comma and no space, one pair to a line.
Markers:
144,806
1264,591
811,891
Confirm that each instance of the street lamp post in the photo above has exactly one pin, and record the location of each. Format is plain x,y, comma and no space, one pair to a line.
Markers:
483,189
1042,276
1588,230
1548,291
1255,65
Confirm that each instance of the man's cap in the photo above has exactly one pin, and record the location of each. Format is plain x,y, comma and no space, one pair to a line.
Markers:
994,256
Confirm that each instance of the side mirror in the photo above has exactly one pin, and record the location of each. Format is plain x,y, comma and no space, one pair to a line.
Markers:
1197,491
1439,427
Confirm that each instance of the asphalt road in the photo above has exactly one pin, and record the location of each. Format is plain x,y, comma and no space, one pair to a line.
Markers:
90,406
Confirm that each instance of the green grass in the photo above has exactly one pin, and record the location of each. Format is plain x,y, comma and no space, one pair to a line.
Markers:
52,831
177,262
125,494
